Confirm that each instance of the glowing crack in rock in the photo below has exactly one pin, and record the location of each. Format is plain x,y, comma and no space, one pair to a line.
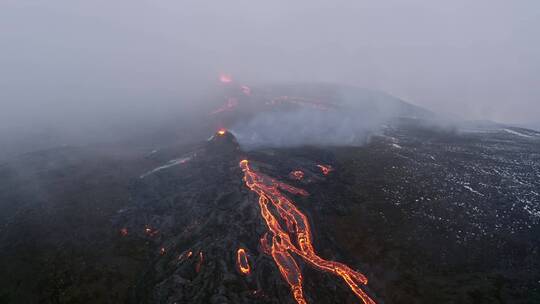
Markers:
185,255
242,261
325,169
296,175
151,232
295,237
200,262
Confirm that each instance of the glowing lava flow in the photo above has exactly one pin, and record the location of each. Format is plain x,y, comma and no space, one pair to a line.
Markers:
296,238
242,261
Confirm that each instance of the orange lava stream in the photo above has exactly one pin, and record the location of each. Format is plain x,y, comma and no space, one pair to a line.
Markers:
296,238
242,261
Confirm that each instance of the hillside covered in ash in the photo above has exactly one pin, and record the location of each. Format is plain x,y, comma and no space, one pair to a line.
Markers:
308,191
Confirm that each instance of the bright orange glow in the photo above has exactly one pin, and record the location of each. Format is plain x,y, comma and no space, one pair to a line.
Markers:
221,132
297,175
325,169
295,237
225,78
242,261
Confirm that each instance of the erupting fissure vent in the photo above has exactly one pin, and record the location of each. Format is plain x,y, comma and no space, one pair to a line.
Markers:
295,238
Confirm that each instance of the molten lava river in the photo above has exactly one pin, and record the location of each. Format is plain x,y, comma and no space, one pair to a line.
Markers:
295,238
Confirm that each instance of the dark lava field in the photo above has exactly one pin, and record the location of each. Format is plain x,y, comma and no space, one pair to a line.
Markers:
427,214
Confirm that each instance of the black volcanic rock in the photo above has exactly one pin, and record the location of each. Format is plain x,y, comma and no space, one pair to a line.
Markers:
202,209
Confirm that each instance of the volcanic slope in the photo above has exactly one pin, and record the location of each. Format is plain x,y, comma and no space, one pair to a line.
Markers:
199,216
426,215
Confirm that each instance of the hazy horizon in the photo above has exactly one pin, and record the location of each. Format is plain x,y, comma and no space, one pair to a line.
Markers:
89,62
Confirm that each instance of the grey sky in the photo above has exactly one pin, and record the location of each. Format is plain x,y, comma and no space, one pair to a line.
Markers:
476,58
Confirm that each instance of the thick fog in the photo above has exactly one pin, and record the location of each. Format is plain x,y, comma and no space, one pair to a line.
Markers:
93,69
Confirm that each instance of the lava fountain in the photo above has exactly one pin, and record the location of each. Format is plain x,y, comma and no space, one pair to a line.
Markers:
295,238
